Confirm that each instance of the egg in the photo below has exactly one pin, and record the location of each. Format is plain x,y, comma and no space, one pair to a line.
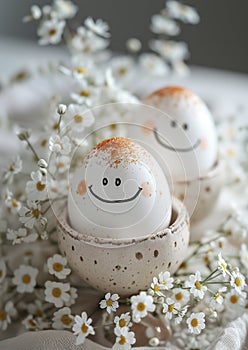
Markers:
184,135
119,191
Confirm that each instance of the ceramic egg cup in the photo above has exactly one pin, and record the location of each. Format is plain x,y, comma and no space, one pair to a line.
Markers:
125,266
200,195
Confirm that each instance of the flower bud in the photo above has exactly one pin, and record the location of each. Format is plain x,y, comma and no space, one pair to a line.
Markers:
61,109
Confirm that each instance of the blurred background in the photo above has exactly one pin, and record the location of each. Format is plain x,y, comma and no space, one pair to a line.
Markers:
219,41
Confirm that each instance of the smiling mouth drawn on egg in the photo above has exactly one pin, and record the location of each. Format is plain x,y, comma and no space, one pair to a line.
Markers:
175,149
115,200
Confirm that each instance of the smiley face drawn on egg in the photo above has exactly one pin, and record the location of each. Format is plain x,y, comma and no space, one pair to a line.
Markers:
175,125
119,191
117,183
163,143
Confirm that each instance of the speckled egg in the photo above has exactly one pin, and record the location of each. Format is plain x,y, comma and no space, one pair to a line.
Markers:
185,136
119,192
125,266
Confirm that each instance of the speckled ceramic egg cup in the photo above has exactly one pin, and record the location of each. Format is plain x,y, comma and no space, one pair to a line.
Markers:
200,195
125,266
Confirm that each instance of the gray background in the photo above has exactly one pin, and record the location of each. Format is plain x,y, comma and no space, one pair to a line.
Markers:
220,40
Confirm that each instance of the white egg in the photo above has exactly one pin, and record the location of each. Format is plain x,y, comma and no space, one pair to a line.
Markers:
183,135
120,191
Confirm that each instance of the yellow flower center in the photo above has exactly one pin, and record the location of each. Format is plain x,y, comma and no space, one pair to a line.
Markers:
14,203
40,186
32,323
231,152
122,323
36,213
238,281
141,306
234,299
194,322
223,265
122,71
3,315
217,295
26,279
198,285
78,118
38,313
81,70
65,319
171,308
52,31
43,143
156,288
109,302
84,93
122,340
55,126
56,292
57,267
179,296
84,328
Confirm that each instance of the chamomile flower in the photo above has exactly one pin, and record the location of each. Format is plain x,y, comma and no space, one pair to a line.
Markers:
237,281
110,302
124,320
21,235
98,27
222,265
57,293
124,339
165,279
3,270
141,304
217,298
122,67
35,14
170,308
6,313
72,296
64,9
60,145
153,64
12,203
235,299
86,42
170,50
79,117
164,25
31,215
37,188
15,167
62,318
82,327
157,287
85,93
31,323
182,296
25,278
195,284
182,12
60,164
37,308
51,31
244,255
57,266
196,322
